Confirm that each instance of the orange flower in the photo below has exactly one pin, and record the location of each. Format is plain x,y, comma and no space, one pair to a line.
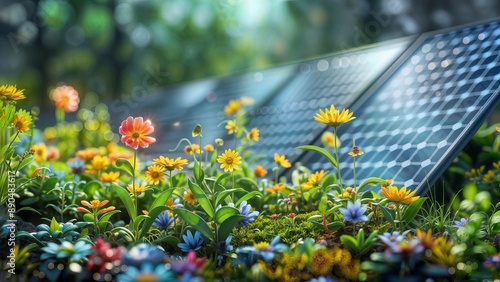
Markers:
209,148
95,205
98,163
87,154
399,196
313,180
276,189
233,107
66,98
189,197
109,177
134,132
192,149
260,171
281,161
120,155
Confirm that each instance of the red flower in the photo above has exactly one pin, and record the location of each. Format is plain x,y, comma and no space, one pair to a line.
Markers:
134,132
103,254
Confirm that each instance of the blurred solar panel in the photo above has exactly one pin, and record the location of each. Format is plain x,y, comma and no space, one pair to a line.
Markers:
415,120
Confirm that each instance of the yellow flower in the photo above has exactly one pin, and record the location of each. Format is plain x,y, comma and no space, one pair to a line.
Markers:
98,163
321,262
330,140
95,205
109,177
272,271
170,164
87,154
231,127
209,148
22,121
333,117
281,161
441,252
351,270
229,160
232,107
10,93
40,152
253,134
189,197
475,173
399,196
138,188
155,174
313,180
497,128
355,151
425,238
489,177
192,149
276,189
260,171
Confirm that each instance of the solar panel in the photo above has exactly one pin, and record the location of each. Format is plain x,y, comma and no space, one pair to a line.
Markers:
415,120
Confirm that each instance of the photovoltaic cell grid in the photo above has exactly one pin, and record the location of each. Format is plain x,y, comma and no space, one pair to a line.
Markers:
412,125
286,121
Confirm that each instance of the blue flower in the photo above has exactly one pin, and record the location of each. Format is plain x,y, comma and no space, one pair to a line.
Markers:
354,212
246,210
163,221
146,271
143,253
322,279
461,223
493,262
191,243
77,166
248,255
225,246
392,239
76,252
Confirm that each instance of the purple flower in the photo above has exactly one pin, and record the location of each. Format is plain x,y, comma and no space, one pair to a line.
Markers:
163,221
461,223
225,246
143,253
322,279
191,243
493,262
354,212
392,239
189,267
246,210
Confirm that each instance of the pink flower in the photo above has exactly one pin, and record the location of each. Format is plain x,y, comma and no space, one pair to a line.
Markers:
65,98
134,131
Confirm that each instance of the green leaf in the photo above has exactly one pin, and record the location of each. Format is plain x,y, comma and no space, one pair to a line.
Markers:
88,217
138,221
224,213
24,234
227,226
178,179
105,218
321,151
412,210
162,198
49,184
91,187
388,215
369,181
56,208
29,209
222,195
350,243
470,190
202,198
125,165
171,240
199,174
248,197
323,204
29,201
220,179
153,214
126,199
26,162
126,234
54,226
196,222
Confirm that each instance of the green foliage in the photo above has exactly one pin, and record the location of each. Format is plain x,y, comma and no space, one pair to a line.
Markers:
359,245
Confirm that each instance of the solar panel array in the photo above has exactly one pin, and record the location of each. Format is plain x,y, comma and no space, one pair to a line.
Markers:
417,104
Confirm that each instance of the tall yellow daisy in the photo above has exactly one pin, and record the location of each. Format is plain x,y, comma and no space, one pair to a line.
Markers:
399,196
333,117
155,174
170,164
231,127
281,160
98,163
22,121
229,160
138,188
10,93
313,180
253,134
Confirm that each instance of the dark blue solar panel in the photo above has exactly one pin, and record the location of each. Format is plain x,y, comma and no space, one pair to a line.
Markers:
414,121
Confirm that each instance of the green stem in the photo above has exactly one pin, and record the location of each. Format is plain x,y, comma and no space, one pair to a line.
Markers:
337,155
232,181
171,181
133,184
277,173
399,217
354,172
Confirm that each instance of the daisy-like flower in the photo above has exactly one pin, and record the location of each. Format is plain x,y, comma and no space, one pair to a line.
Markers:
355,151
192,149
10,93
313,180
232,107
95,205
333,117
461,223
391,239
281,161
425,238
163,221
253,134
399,196
219,142
109,177
229,160
330,140
191,242
170,164
87,154
146,272
21,121
209,148
155,174
134,132
259,171
246,210
441,252
189,197
98,163
138,188
354,212
40,152
231,127
66,98
276,189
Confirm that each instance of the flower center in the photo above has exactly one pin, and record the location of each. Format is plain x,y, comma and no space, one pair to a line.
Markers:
392,238
353,214
136,135
155,174
229,160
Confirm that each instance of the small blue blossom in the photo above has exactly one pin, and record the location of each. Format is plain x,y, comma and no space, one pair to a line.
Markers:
225,246
76,252
248,255
354,212
191,243
322,279
163,221
391,239
143,253
461,223
159,273
246,210
77,166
